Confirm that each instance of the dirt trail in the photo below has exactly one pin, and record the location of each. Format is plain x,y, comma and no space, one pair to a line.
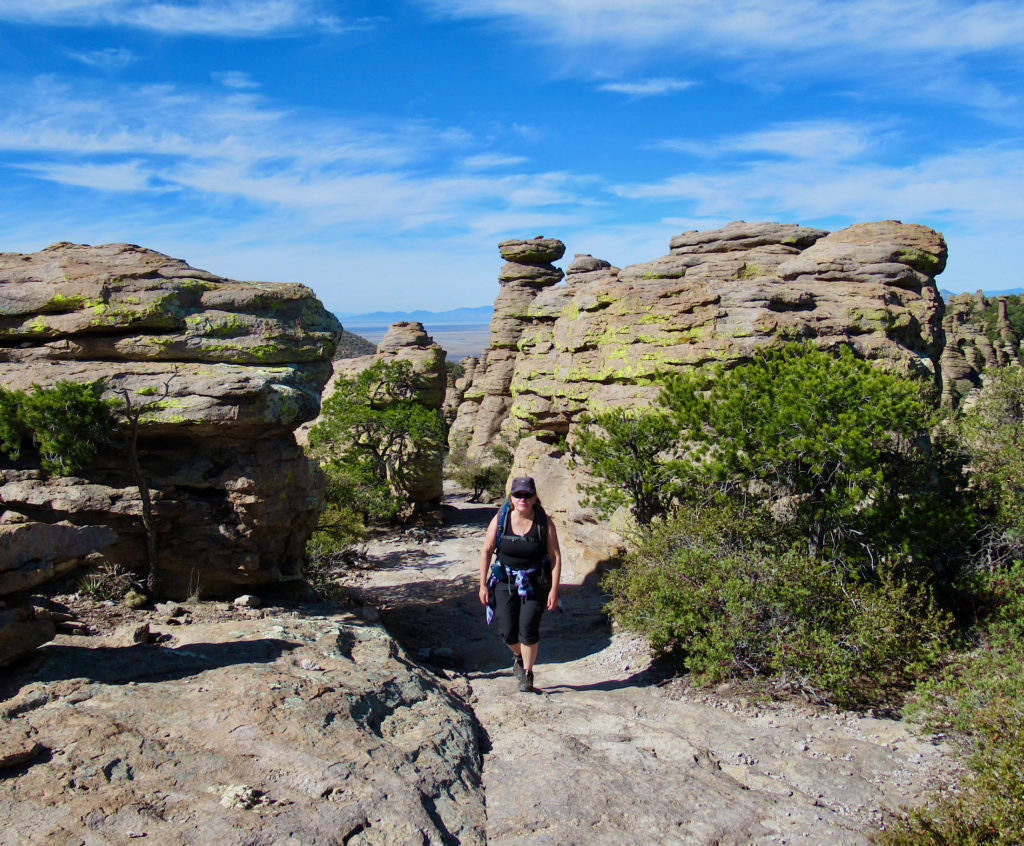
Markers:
607,750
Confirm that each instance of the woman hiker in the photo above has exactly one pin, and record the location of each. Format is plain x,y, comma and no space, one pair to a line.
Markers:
524,579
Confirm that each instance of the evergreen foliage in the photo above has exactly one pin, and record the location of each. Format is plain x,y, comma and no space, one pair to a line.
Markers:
68,424
837,444
629,453
793,510
993,432
480,475
715,587
372,433
978,701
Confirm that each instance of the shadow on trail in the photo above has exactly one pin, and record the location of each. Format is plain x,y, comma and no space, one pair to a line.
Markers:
446,615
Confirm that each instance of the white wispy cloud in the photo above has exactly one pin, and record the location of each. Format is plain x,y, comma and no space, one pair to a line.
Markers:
488,161
234,79
117,176
236,146
873,25
971,186
231,18
830,140
648,87
109,59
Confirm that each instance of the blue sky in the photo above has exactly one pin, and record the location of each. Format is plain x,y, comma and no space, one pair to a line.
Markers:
378,151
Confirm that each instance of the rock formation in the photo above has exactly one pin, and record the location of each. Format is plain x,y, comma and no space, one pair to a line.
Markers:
527,271
226,371
456,388
602,338
408,341
980,337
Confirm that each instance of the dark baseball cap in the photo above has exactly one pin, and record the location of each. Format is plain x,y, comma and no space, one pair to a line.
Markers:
523,484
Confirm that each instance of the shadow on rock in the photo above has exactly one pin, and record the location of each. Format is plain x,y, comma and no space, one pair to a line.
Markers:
123,664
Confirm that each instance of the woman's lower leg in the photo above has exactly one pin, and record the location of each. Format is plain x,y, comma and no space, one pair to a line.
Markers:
529,653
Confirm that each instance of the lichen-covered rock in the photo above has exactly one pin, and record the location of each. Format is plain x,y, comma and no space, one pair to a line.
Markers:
486,402
224,372
607,335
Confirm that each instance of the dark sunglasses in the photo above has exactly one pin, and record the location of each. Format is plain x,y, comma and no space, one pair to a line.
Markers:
522,496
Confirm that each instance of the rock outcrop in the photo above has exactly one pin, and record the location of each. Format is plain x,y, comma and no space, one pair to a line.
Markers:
527,271
980,337
302,726
602,338
224,370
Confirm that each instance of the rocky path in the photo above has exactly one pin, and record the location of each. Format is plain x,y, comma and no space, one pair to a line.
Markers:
608,751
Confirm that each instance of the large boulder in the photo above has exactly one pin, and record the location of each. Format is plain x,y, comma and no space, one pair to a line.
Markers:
604,337
224,371
283,727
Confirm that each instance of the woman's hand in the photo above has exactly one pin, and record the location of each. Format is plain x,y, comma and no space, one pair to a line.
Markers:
483,593
553,598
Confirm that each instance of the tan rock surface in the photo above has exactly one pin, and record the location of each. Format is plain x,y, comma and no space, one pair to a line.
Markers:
224,370
242,727
607,335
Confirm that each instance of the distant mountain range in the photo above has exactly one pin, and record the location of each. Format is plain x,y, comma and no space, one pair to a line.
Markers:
456,316
1008,292
482,314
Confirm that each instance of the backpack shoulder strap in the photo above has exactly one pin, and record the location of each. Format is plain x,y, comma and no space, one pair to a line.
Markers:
502,518
540,515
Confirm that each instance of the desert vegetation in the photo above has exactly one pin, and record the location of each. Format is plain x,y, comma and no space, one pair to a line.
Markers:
808,522
369,442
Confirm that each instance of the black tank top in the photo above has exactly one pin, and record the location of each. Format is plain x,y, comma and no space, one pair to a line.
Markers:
522,552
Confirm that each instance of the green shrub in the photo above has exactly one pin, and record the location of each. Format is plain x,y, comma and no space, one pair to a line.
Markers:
839,445
630,453
731,606
68,424
978,700
479,475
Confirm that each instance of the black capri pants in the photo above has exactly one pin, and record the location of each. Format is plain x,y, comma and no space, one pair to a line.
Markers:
517,618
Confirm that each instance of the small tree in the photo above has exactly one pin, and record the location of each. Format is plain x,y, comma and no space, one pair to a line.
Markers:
374,433
630,453
480,475
133,411
993,429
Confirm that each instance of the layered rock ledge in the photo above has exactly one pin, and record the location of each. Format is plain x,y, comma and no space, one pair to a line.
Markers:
226,371
604,337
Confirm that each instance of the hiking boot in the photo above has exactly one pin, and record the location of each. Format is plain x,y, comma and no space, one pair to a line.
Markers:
526,682
517,668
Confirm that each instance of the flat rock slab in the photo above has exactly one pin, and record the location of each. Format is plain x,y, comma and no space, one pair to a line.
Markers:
608,751
293,727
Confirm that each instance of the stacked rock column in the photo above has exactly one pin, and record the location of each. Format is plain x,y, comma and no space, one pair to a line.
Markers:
527,271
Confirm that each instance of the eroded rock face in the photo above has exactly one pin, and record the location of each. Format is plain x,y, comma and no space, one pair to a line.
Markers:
487,401
602,338
979,337
289,727
226,371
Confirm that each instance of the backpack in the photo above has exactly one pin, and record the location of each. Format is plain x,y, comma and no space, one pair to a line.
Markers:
498,570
